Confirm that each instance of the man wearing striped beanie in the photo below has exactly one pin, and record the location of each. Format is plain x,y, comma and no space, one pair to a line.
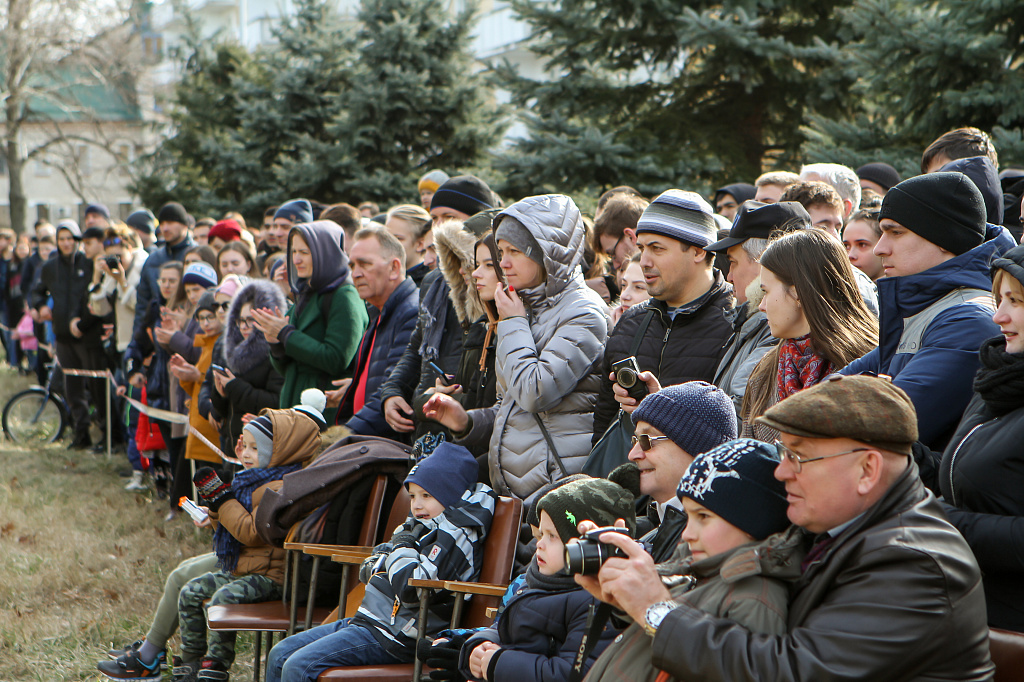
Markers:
679,333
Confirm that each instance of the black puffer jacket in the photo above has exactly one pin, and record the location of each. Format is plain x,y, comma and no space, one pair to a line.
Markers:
687,348
981,479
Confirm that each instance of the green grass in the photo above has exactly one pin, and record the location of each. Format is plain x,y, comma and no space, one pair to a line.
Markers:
82,561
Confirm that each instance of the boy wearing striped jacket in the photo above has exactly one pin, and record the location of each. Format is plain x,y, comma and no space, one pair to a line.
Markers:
450,515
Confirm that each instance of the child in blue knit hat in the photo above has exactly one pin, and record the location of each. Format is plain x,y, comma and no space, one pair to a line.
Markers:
450,514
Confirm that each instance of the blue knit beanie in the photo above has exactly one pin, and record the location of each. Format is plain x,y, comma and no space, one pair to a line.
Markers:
201,273
737,481
683,216
696,416
262,431
297,210
447,473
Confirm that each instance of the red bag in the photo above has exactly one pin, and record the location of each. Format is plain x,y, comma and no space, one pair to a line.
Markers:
147,434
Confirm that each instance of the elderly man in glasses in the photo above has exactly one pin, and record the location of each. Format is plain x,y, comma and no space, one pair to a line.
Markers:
672,427
888,589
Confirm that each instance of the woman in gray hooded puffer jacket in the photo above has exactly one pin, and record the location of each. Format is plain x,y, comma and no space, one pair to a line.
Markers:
551,333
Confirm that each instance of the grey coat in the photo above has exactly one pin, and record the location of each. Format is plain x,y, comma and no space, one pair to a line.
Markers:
749,343
547,364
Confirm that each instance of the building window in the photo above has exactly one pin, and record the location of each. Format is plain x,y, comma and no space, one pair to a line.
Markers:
43,212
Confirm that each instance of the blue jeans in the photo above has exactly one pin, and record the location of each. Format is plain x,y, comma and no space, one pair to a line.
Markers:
304,655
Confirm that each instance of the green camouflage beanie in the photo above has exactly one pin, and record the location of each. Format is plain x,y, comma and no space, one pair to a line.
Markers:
600,500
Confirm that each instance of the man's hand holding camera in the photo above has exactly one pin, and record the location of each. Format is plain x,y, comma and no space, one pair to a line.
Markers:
630,385
630,584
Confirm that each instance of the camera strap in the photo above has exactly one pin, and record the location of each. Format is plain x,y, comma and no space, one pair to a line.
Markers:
551,444
641,332
596,620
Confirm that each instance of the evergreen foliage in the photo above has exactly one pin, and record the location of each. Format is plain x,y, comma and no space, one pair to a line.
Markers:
659,93
925,68
328,113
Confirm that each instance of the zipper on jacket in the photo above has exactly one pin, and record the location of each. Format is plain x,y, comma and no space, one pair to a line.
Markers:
664,344
952,458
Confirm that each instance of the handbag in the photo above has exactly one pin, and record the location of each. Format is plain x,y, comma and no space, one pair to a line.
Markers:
613,447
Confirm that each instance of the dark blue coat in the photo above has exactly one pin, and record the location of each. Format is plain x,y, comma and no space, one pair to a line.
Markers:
540,633
938,377
393,326
148,289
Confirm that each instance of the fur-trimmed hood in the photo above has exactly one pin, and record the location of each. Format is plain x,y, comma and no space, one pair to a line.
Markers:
455,249
243,354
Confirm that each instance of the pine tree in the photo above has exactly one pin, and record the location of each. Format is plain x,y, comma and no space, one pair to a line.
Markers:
657,93
925,68
414,103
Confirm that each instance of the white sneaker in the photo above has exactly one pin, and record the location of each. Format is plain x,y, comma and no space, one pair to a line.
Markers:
138,482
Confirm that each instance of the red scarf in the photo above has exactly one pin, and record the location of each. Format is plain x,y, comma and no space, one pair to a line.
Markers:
799,366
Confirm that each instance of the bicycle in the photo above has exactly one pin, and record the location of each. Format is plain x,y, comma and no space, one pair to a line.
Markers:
38,415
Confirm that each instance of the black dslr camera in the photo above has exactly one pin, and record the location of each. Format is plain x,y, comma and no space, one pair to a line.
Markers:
627,375
586,556
112,261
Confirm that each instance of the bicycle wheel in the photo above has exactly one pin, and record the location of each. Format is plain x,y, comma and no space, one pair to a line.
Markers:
34,417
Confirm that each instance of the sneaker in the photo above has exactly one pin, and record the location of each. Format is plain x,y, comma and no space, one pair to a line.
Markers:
184,672
138,482
130,667
212,669
117,653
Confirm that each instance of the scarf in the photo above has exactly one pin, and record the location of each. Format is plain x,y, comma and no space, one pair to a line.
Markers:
799,366
1000,380
559,582
434,312
225,545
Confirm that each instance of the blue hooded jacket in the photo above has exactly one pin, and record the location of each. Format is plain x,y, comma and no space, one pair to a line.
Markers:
938,377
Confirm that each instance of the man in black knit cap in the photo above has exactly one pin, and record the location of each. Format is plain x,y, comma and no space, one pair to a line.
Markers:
175,224
934,297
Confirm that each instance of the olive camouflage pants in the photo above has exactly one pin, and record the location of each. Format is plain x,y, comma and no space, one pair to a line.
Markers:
220,588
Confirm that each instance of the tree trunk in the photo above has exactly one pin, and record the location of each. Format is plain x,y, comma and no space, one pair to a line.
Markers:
16,194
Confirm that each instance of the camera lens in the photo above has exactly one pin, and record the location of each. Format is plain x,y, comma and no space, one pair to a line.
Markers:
626,377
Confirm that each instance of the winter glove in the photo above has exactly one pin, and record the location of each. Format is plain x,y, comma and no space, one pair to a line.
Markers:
407,536
443,658
213,492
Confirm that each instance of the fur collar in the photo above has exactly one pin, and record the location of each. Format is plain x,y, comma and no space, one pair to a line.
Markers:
241,354
455,250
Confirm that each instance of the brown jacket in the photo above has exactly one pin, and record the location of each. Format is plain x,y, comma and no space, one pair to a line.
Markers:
296,439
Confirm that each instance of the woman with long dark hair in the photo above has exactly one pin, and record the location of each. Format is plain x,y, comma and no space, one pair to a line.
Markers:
816,311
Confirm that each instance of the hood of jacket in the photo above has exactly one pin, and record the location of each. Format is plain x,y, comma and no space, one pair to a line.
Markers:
983,174
326,242
455,250
296,437
900,297
557,225
243,354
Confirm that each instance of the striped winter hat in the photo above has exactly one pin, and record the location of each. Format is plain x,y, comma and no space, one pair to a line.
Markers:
683,216
262,431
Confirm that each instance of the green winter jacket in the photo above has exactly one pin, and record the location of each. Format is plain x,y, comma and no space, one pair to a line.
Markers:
749,585
313,352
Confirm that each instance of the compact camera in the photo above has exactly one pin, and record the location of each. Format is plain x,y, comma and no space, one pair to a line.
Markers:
586,556
627,375
113,261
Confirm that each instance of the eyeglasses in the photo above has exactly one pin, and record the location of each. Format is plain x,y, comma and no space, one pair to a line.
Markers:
245,322
646,442
798,462
222,306
206,319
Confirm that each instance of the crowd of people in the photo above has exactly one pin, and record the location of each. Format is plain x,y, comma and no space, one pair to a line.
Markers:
795,399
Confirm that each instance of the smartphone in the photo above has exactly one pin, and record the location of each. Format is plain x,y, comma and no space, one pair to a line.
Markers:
446,379
218,368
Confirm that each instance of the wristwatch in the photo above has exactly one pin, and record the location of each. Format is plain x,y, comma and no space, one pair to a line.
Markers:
656,613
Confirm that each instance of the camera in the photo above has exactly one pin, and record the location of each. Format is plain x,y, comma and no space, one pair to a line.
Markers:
586,556
112,261
627,375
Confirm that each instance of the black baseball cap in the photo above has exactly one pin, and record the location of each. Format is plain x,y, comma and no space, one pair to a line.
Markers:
758,220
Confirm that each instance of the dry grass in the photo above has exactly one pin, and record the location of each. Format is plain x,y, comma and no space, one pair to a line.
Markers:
82,562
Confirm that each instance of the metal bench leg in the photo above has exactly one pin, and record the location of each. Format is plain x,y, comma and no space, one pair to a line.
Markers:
256,657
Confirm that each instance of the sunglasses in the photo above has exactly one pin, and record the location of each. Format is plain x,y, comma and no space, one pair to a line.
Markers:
646,442
222,306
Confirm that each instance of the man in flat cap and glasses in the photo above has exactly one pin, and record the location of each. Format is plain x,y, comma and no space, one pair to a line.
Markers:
888,588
